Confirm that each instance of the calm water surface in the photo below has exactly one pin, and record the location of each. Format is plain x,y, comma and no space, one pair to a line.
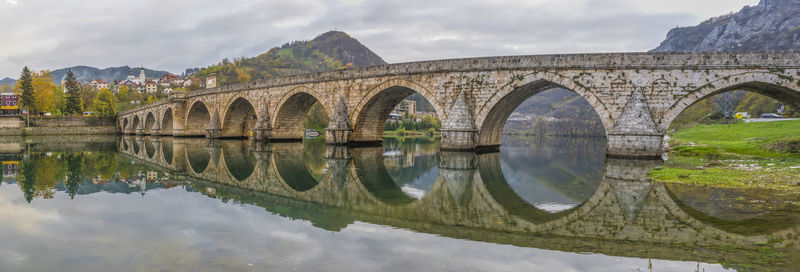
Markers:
540,204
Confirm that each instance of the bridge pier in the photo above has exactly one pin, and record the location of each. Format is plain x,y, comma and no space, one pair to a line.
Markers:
635,134
456,173
635,146
176,132
214,129
261,134
458,131
339,131
262,131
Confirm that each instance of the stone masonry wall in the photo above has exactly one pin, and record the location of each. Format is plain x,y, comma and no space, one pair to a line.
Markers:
636,95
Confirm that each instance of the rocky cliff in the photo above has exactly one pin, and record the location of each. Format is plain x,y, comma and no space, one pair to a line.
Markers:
771,25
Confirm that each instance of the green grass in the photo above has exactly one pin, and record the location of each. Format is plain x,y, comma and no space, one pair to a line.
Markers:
747,155
744,140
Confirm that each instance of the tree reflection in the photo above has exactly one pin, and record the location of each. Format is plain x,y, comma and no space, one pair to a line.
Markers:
75,162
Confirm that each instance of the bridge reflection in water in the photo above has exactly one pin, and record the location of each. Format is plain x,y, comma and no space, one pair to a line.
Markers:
616,210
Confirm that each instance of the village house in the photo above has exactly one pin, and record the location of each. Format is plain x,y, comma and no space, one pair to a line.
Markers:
211,81
151,87
98,83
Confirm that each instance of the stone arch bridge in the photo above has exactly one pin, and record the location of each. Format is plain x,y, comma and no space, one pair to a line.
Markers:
625,216
636,95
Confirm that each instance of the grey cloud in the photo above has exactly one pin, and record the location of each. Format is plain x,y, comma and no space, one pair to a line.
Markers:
173,35
173,229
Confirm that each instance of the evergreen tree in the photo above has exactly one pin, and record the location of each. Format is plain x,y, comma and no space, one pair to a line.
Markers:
26,88
73,97
74,173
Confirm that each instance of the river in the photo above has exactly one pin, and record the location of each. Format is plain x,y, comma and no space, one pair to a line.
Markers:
540,204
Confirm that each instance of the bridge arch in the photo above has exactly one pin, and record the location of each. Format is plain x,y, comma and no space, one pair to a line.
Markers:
291,112
768,84
757,223
150,121
491,117
495,182
135,123
135,146
290,165
197,118
198,158
167,122
167,150
125,124
124,144
373,109
240,117
371,171
239,161
149,148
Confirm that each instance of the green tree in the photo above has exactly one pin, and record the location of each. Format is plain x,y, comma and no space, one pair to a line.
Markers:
28,180
124,94
87,94
73,96
151,99
60,105
25,88
74,173
105,104
43,91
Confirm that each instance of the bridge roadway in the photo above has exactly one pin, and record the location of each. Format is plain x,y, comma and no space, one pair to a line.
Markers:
624,217
636,96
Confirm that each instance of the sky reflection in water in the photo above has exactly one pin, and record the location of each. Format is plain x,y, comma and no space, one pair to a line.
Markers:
184,226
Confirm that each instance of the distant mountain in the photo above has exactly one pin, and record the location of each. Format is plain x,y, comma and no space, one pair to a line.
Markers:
771,25
555,112
9,81
330,51
87,73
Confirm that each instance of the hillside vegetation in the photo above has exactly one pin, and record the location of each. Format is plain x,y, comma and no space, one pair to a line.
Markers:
330,51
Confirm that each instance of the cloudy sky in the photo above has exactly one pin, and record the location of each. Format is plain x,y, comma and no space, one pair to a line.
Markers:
177,34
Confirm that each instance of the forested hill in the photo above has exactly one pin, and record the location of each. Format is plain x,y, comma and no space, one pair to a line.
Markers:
8,81
329,51
771,25
87,73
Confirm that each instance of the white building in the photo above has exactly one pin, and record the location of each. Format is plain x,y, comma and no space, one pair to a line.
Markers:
141,80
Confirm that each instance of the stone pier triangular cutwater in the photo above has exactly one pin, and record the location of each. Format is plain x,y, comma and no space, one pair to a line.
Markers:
631,196
635,134
263,127
458,131
456,170
636,117
214,129
339,129
338,158
156,129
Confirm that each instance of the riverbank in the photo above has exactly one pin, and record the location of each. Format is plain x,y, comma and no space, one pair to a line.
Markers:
57,125
421,132
746,155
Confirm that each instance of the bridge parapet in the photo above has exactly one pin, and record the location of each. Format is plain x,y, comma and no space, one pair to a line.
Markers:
636,97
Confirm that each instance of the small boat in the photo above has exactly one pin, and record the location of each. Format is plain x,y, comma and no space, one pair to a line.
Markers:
312,133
